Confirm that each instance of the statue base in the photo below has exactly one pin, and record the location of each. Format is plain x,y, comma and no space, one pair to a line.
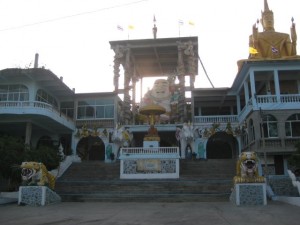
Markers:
152,138
37,196
150,144
249,194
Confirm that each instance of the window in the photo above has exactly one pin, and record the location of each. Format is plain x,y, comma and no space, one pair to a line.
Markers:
270,126
16,92
43,96
95,109
67,108
292,126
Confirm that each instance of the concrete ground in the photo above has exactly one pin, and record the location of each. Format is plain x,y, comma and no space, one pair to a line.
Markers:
187,213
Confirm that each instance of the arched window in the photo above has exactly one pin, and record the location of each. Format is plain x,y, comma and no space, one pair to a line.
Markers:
292,126
43,96
15,92
270,126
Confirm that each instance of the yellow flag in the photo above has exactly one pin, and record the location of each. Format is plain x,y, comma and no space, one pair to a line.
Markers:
130,27
253,51
191,23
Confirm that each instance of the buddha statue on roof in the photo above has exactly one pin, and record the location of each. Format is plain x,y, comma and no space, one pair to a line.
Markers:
270,44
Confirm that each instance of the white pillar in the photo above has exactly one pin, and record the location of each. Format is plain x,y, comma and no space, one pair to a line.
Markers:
253,89
277,86
246,89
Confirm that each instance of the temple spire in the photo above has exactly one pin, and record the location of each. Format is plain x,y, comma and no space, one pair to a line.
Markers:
266,9
266,6
154,29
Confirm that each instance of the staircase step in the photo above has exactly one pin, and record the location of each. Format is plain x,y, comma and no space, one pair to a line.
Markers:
209,180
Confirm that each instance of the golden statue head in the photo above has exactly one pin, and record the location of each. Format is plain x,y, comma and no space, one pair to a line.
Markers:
267,17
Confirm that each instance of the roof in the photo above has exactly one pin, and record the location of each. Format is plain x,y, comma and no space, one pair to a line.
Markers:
245,66
44,78
155,57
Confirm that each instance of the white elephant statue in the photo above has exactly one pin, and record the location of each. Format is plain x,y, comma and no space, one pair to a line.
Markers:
187,139
121,137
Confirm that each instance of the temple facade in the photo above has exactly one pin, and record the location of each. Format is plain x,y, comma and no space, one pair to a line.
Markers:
259,112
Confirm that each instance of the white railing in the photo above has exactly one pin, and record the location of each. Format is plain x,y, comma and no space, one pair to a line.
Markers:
23,104
290,98
32,104
216,119
266,99
287,98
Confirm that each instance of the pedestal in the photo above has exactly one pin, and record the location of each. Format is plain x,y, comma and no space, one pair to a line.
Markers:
37,196
249,194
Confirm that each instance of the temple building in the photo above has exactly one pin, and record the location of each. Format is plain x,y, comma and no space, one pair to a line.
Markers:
259,112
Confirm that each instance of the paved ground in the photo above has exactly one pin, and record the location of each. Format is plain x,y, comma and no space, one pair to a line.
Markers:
188,213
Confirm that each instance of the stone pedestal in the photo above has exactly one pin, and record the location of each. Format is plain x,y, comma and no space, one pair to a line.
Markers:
37,196
249,194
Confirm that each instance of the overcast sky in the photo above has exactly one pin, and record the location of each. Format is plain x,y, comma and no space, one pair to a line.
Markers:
72,36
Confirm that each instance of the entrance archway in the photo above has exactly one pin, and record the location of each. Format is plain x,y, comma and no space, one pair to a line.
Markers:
91,148
221,146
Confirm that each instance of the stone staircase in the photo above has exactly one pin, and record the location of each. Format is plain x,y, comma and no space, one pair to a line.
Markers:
209,180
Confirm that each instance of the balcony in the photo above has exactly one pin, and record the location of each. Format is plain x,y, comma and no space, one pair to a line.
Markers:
216,119
40,113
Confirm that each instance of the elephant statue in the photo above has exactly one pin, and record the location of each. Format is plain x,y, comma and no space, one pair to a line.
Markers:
121,137
186,137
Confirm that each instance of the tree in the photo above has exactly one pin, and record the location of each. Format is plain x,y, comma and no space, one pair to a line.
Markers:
13,152
11,156
294,160
49,156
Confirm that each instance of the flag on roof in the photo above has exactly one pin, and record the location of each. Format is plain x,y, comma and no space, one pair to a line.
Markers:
253,51
120,28
274,50
191,23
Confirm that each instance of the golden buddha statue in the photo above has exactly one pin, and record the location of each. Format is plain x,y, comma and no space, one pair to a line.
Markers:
270,44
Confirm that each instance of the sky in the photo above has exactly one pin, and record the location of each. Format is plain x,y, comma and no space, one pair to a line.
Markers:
72,36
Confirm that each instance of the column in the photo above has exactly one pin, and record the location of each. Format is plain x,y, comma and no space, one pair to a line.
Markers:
181,73
119,54
238,104
253,89
277,86
246,89
28,133
127,79
189,52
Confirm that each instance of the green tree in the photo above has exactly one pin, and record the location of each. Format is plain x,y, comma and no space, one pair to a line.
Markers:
294,160
11,156
13,152
49,156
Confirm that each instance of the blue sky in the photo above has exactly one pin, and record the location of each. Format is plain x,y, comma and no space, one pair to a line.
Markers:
72,36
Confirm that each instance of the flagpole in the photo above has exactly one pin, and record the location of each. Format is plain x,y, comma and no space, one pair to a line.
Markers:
180,23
